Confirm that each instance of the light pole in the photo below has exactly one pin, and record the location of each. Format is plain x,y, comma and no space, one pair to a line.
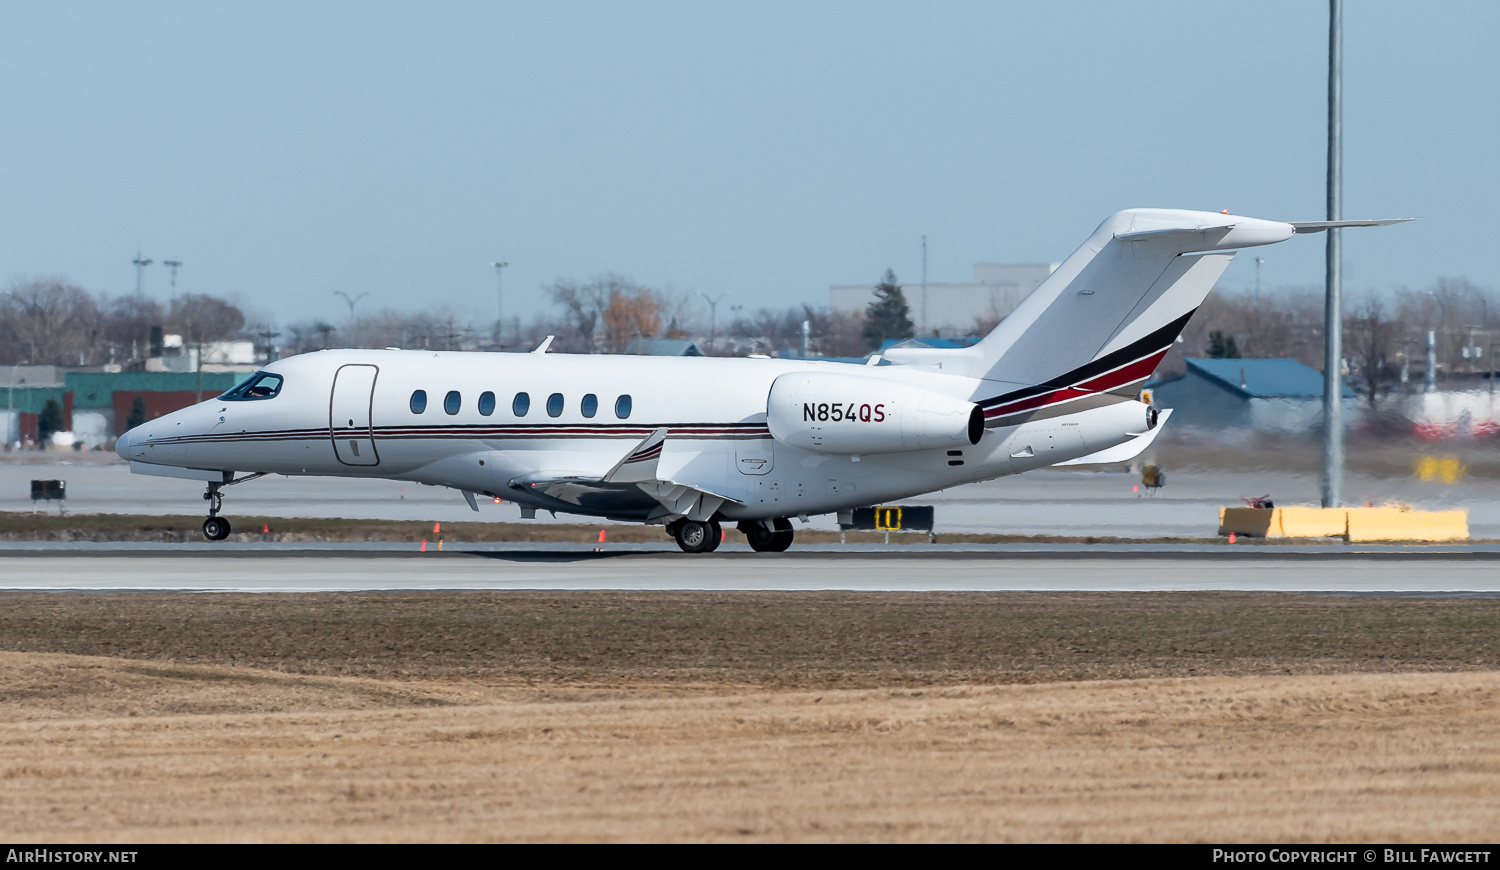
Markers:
1333,321
10,403
140,268
1432,342
174,265
500,303
351,302
713,314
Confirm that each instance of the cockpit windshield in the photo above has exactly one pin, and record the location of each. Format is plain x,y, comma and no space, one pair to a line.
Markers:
261,385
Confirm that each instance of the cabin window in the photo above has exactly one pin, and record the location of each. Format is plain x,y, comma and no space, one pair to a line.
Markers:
419,401
521,405
590,405
622,407
260,385
452,402
554,405
486,404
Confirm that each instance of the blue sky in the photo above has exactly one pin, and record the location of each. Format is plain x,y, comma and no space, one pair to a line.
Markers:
285,151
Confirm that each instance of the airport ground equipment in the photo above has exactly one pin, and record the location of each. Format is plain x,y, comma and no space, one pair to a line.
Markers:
892,518
49,490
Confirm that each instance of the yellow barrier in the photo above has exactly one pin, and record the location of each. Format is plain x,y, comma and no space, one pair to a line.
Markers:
1313,522
1352,524
1395,524
1255,522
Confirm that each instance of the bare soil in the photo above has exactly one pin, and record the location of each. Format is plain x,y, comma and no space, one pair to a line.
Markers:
1192,717
1341,758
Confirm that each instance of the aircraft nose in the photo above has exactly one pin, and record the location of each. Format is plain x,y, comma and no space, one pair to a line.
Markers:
122,444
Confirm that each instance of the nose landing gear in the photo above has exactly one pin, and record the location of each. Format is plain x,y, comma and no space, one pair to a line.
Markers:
215,528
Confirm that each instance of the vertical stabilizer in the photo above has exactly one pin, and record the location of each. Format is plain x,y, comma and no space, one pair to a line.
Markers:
1103,320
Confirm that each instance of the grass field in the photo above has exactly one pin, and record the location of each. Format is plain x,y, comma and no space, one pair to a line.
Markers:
741,717
105,528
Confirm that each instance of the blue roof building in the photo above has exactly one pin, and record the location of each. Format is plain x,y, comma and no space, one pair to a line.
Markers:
1265,395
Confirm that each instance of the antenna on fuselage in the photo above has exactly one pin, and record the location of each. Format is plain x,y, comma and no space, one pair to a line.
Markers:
546,343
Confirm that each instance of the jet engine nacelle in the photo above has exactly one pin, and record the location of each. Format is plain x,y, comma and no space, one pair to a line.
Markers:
848,414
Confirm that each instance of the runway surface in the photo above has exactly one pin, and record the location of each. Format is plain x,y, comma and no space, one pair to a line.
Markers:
1000,568
1044,502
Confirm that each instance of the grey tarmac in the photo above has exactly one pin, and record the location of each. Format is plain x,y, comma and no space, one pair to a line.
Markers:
1473,570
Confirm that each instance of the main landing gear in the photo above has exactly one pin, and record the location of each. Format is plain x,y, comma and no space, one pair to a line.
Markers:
215,528
765,536
697,537
768,540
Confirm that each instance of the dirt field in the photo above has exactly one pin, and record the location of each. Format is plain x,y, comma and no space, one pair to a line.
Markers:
679,717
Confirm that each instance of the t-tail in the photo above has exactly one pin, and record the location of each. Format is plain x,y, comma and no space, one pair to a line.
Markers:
1101,323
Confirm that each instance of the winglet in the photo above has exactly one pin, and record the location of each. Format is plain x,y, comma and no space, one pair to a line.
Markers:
546,343
643,457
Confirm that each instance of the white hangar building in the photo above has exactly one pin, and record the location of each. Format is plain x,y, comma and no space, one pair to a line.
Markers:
948,310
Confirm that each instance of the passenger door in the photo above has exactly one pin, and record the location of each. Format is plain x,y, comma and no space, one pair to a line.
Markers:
349,423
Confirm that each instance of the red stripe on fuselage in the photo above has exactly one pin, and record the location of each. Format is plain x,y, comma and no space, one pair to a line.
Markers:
1126,374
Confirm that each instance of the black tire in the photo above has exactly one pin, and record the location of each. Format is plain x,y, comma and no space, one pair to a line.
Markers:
760,538
764,540
783,537
216,528
715,534
695,537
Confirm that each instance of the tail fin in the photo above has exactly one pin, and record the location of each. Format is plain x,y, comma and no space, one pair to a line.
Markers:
1107,315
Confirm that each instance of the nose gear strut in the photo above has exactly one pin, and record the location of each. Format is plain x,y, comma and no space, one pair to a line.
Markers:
216,528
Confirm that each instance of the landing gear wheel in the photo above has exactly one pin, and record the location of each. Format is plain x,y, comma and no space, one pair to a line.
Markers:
764,540
216,528
695,537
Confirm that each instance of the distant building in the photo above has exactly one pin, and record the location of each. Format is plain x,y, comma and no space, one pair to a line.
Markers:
663,347
97,405
218,356
943,309
1262,395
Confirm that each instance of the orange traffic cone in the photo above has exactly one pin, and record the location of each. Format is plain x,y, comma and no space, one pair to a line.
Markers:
600,548
424,546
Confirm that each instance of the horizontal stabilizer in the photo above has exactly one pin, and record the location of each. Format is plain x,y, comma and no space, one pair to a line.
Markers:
1320,226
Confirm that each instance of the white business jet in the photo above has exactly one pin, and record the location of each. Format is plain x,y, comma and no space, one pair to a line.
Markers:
695,443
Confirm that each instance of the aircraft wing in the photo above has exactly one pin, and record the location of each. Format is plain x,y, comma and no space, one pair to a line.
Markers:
1123,452
631,488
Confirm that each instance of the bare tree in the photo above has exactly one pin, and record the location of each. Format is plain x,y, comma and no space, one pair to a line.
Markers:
48,321
770,331
127,326
1282,324
625,310
1370,340
202,319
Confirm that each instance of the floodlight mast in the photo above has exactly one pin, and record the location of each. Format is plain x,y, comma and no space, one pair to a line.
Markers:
174,265
140,268
1333,322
